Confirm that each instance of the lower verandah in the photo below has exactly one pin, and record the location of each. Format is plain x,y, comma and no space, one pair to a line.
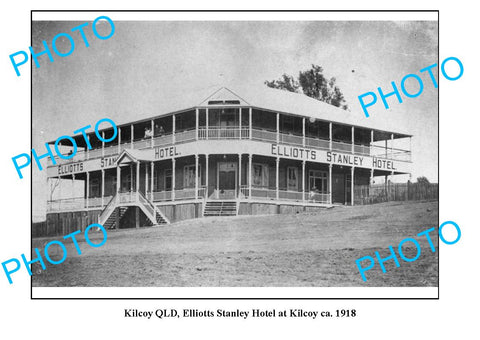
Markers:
220,177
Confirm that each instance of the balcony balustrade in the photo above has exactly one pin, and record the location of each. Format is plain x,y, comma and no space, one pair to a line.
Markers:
260,193
186,136
291,139
264,135
162,140
67,204
317,143
224,132
240,133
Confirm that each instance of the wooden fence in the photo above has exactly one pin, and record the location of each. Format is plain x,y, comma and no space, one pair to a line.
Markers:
368,194
39,229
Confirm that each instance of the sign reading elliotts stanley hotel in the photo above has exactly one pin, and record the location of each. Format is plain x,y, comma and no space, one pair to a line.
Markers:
256,151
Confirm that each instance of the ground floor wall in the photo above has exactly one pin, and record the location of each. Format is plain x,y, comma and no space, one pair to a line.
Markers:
180,212
64,223
248,208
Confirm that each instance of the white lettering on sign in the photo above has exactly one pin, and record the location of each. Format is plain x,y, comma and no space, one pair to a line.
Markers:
169,151
383,164
69,168
108,161
293,152
337,158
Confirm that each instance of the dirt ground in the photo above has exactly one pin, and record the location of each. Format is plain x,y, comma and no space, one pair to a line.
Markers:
310,249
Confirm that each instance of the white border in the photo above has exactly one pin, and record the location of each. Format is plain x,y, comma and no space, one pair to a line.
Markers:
240,16
234,293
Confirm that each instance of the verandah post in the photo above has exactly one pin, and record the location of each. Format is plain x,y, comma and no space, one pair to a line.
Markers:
303,181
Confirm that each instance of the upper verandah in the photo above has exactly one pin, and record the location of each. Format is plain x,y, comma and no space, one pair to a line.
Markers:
239,123
263,98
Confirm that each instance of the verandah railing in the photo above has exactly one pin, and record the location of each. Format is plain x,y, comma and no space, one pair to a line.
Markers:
244,132
66,204
263,193
223,132
130,197
178,194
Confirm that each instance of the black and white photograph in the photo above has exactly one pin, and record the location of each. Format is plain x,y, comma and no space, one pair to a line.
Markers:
234,153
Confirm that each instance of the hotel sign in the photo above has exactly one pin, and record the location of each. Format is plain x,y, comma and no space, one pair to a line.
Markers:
108,162
337,158
66,169
344,159
210,147
166,152
78,167
294,152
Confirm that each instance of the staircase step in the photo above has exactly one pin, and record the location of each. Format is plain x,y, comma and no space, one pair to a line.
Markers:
110,222
112,219
220,208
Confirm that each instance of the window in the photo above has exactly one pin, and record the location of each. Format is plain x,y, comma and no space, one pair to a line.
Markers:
127,182
94,188
168,180
292,178
227,102
189,176
318,181
110,185
215,102
260,175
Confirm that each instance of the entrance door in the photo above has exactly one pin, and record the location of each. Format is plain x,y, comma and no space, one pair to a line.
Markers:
348,189
338,188
227,180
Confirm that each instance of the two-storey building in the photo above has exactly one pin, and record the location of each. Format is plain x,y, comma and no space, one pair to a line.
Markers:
229,153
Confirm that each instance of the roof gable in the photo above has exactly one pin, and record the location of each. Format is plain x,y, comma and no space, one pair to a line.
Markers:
224,96
133,155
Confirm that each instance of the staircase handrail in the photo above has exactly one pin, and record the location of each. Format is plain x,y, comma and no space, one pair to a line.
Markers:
110,204
143,199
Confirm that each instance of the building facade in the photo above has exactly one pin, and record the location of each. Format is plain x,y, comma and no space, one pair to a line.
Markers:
227,154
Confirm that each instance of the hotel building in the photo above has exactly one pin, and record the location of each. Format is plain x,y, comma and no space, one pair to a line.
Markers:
223,153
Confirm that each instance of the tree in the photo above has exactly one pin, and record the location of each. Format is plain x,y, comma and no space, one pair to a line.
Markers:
423,180
314,84
286,83
53,186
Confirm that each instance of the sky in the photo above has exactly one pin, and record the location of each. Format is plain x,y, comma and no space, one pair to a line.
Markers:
145,63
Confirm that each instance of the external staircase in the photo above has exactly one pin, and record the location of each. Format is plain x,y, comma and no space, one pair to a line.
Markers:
110,223
220,208
123,201
160,219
